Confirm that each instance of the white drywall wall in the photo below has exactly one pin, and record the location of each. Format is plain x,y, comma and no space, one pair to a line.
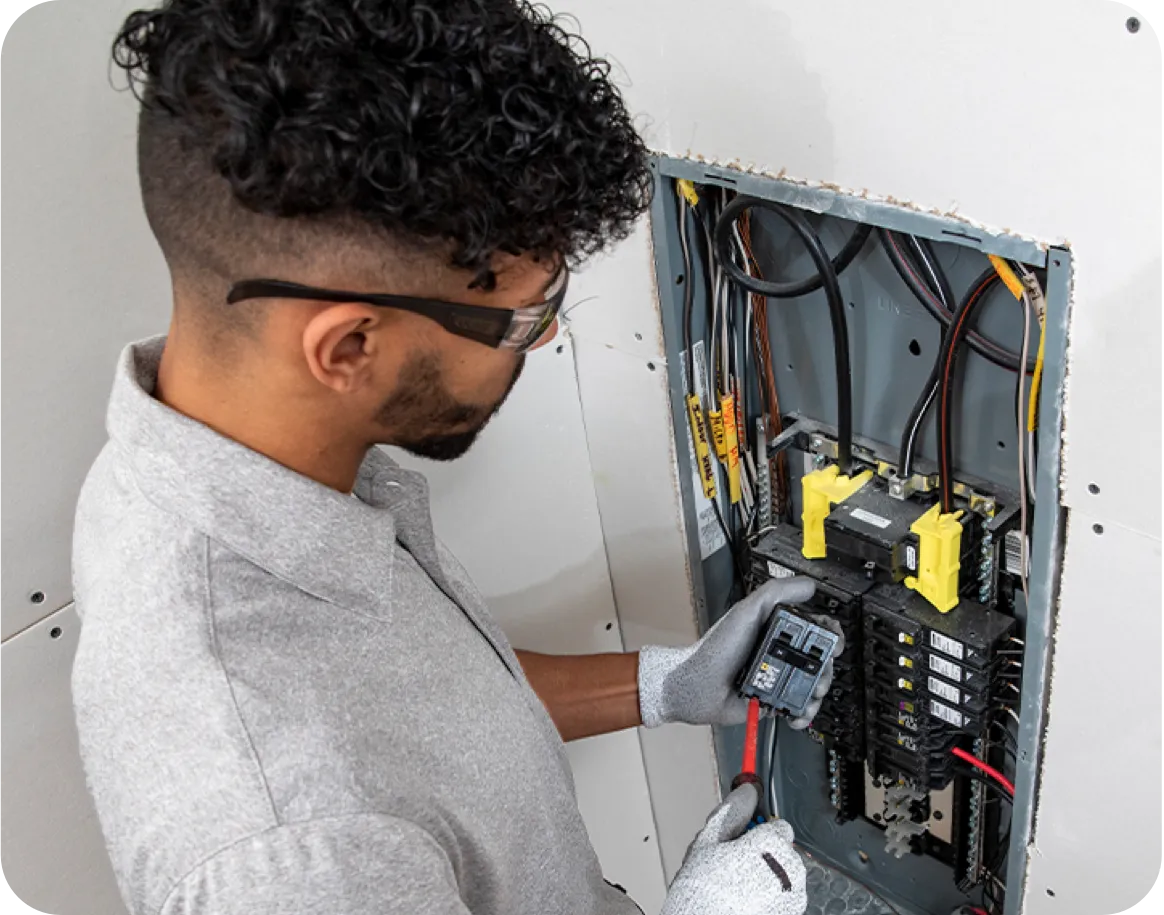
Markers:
81,277
1042,118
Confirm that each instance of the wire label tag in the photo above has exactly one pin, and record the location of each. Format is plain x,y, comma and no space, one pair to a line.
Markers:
711,535
732,443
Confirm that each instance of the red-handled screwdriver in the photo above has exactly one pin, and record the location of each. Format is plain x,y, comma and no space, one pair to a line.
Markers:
751,740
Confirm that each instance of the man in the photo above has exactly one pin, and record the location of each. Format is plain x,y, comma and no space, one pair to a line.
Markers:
290,697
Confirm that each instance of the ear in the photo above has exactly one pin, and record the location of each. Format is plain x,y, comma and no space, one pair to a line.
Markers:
339,346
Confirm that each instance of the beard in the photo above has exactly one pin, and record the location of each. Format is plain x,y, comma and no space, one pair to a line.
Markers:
427,420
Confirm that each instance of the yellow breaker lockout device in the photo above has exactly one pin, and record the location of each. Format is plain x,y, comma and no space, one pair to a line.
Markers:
822,489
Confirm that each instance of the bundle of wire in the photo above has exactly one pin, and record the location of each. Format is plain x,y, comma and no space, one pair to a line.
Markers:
918,267
736,338
826,277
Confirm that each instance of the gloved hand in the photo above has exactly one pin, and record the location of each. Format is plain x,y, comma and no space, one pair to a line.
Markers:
698,684
728,871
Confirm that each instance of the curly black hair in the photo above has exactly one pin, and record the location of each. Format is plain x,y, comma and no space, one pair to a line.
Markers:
481,125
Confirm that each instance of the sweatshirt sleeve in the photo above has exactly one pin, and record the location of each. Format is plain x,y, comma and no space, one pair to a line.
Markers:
353,865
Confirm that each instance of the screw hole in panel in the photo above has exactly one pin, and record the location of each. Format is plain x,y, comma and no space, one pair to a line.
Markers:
37,597
1093,489
55,632
1098,528
915,347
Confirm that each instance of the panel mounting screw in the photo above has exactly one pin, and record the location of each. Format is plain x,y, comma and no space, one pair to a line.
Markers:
37,597
1133,24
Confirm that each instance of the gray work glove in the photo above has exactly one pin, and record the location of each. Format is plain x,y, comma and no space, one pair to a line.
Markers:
728,871
699,684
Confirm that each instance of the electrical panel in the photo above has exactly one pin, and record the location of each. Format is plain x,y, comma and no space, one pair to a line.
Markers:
856,395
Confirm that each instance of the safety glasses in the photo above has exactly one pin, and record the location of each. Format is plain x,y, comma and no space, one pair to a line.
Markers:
515,329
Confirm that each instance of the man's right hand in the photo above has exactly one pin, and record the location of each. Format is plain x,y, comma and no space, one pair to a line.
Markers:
732,872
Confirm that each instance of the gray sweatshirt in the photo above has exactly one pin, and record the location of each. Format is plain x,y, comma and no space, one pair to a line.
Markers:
294,701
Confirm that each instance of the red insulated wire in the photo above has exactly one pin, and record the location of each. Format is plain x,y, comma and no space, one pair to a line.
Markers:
751,737
986,769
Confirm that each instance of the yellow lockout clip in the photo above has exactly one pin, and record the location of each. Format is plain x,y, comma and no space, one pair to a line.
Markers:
939,558
822,489
702,450
727,406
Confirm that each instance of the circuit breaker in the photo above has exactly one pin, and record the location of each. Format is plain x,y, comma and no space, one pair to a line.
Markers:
857,392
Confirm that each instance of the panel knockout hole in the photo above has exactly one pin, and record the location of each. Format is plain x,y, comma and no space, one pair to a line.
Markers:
1093,489
609,626
37,597
679,279
915,347
1098,528
1133,25
1002,446
55,632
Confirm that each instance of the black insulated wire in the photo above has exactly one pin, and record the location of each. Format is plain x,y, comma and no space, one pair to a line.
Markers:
688,296
983,346
946,359
828,280
938,284
795,288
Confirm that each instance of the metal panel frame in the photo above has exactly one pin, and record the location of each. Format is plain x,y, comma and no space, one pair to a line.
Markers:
1046,561
1048,528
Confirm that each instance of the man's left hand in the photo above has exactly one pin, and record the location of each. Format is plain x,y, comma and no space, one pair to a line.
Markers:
699,684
